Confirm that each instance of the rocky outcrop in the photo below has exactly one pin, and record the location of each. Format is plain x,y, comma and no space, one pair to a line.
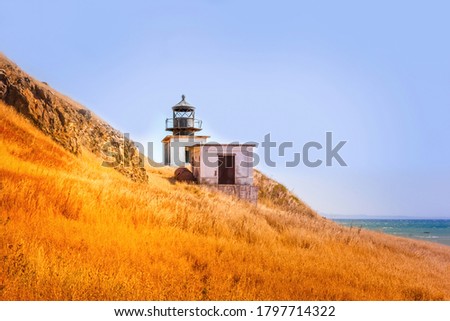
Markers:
3,87
67,122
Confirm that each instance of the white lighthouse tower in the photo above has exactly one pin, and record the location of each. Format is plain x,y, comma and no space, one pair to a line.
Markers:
183,126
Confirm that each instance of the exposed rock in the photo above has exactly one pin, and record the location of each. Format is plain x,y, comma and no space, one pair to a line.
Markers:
68,123
16,98
3,86
2,74
40,93
3,89
86,113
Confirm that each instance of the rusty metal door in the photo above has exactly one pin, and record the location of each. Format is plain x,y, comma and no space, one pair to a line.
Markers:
226,169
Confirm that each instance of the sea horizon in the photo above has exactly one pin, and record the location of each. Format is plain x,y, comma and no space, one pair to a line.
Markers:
381,217
435,230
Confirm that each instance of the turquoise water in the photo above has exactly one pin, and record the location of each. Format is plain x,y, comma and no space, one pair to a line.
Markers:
426,230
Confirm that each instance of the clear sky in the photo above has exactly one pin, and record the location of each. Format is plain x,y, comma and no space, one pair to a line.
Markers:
375,73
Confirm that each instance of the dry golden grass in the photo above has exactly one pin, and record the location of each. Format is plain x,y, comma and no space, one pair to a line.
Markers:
73,230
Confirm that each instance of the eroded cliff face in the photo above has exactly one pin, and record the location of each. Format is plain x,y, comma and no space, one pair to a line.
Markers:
68,123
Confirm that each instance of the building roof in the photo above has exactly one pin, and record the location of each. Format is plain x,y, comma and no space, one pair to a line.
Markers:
183,105
178,137
216,144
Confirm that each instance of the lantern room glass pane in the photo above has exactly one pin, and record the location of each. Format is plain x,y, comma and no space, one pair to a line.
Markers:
184,114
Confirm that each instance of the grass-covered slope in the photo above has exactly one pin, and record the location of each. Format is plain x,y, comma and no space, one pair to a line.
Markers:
73,230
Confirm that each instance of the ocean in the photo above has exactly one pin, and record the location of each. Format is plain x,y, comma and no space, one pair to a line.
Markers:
427,230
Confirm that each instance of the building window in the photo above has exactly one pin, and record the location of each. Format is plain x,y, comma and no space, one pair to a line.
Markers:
187,156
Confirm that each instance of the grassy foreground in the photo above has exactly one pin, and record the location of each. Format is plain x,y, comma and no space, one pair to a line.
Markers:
73,230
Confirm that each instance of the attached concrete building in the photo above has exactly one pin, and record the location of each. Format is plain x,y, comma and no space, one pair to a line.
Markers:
222,163
225,167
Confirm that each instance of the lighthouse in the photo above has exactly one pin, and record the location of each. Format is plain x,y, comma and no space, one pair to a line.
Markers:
184,127
224,167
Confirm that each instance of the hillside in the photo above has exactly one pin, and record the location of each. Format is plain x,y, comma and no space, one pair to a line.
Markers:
68,123
71,229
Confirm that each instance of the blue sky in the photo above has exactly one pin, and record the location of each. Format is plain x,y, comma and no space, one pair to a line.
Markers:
375,73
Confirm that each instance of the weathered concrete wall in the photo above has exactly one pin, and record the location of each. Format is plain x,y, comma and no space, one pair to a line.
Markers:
175,146
245,192
195,164
208,163
208,166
